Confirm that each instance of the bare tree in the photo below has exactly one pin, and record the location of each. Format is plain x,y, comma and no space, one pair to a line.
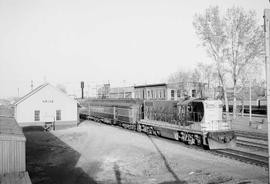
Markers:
250,77
234,41
245,43
180,76
210,29
187,81
207,74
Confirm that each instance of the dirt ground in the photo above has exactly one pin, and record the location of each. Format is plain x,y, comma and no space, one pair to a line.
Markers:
97,153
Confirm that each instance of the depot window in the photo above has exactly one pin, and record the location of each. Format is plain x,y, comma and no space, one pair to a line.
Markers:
58,114
172,94
37,115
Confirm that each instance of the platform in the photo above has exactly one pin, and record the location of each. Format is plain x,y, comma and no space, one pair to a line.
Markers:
258,124
15,178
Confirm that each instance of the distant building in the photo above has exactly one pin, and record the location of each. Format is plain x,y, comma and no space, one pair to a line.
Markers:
103,92
170,91
116,92
121,92
161,91
46,104
151,91
181,90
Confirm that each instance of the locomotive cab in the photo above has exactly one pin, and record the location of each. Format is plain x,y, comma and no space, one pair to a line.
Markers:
206,116
190,112
206,113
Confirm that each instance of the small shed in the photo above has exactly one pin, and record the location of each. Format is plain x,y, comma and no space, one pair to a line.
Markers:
12,146
12,153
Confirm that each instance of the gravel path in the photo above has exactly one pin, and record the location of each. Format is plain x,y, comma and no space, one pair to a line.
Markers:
97,153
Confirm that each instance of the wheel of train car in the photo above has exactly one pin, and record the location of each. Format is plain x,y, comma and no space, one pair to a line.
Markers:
154,132
139,128
182,136
150,131
198,139
190,140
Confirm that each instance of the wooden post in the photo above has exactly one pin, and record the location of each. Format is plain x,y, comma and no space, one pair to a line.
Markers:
54,123
267,69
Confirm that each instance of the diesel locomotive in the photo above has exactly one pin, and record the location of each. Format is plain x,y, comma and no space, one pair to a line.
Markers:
194,121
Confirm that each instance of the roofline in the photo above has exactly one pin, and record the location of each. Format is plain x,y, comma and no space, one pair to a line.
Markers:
31,93
150,85
38,89
63,93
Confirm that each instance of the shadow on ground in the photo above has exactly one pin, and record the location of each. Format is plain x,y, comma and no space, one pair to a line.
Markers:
49,160
176,178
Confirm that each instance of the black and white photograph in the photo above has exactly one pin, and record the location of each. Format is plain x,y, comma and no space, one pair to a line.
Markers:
134,92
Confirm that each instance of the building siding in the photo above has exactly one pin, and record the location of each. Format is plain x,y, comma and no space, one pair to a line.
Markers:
12,155
12,146
47,100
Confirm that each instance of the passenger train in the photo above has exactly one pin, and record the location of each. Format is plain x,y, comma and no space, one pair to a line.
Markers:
194,121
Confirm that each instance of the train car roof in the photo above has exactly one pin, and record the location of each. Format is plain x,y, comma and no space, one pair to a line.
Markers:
115,102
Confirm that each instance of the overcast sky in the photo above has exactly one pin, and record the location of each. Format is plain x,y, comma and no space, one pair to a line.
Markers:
122,41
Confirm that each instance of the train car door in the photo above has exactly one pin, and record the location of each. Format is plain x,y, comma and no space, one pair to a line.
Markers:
115,114
142,111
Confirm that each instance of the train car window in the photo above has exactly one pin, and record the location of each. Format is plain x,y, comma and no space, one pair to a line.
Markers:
164,94
172,94
193,93
178,93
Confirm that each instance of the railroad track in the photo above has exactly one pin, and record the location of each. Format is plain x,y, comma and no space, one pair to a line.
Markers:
256,146
251,135
257,141
250,158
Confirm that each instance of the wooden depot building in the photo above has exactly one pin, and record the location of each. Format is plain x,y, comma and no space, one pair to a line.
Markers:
46,104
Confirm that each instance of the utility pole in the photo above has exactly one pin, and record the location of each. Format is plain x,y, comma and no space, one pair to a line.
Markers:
250,103
88,87
267,69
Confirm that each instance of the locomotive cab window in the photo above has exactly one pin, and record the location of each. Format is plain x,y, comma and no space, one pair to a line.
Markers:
192,112
196,112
